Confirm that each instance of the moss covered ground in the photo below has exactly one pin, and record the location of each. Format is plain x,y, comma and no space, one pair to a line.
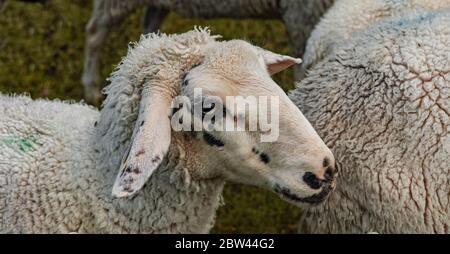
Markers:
41,53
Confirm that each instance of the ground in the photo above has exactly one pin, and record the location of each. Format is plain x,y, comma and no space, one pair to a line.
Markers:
41,53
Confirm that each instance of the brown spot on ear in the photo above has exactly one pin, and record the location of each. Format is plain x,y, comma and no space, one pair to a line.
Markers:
156,159
127,188
140,152
136,171
127,170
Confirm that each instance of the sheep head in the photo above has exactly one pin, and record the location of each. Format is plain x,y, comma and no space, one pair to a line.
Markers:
284,154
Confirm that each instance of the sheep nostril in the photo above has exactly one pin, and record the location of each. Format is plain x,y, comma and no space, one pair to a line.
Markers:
312,181
326,162
329,174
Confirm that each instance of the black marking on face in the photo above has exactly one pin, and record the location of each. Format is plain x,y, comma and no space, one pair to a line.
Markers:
185,82
264,158
95,124
207,109
326,162
313,199
142,123
212,141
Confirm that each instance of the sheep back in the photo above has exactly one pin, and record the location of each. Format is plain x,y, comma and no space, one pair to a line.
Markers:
40,142
381,102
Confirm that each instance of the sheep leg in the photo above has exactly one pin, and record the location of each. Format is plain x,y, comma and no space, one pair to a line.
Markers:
306,14
106,14
96,33
153,18
2,6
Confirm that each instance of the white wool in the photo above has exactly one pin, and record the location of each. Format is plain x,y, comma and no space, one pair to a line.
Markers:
378,92
58,160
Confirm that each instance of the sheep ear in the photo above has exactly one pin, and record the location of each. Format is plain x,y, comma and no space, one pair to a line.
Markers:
150,143
276,62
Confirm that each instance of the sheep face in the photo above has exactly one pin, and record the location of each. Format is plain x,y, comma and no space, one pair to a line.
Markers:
235,123
247,128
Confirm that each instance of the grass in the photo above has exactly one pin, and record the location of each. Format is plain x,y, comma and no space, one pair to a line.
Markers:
41,53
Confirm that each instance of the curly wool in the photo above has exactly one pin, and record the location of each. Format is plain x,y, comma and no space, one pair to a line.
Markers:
379,96
58,160
341,22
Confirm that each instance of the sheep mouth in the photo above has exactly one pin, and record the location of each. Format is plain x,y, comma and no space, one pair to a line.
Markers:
314,199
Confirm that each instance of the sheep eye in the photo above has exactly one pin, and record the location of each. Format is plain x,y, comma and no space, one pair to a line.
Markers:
208,109
212,107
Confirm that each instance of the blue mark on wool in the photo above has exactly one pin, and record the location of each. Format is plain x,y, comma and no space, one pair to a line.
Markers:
21,144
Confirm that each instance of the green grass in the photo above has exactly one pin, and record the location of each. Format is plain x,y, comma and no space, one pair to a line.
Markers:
41,53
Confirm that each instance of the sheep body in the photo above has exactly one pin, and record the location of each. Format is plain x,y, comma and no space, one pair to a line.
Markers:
69,168
378,91
341,22
59,160
37,153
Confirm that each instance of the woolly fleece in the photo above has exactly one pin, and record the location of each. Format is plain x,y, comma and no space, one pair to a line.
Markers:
379,96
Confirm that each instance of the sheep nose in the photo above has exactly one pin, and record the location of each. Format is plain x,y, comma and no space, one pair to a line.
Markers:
312,181
327,176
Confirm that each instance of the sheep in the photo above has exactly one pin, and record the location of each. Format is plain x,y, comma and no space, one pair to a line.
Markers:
108,14
339,24
59,160
377,90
